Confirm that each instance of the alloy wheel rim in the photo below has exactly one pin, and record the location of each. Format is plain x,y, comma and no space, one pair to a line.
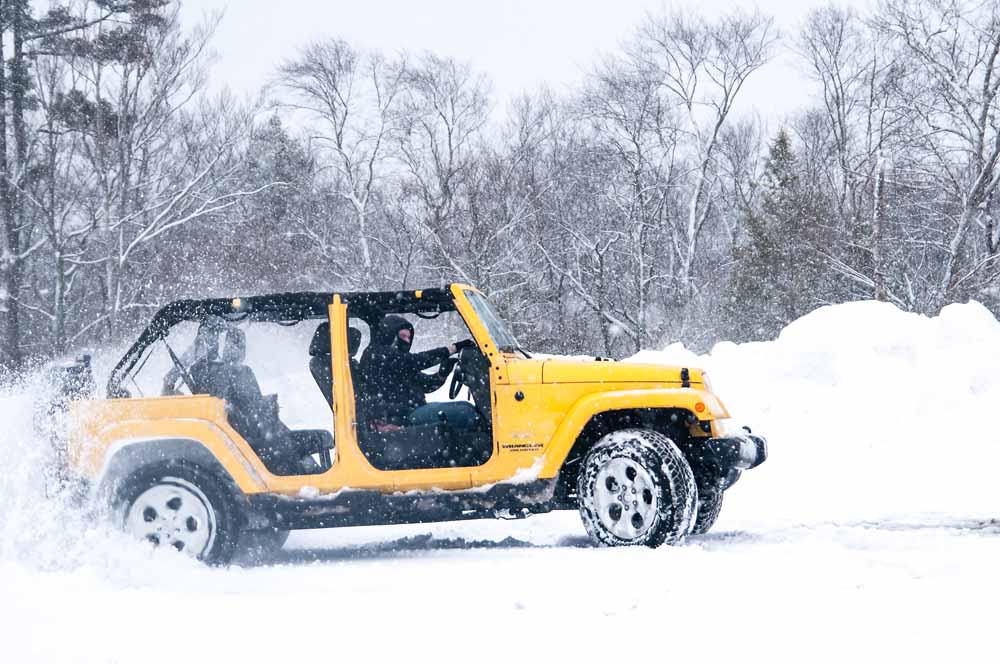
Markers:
175,514
625,498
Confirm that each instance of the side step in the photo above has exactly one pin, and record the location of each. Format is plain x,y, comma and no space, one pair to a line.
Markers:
369,508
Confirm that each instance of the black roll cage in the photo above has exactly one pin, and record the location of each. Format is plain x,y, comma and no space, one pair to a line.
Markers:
277,308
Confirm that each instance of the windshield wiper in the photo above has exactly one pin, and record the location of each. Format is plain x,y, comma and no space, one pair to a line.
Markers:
515,349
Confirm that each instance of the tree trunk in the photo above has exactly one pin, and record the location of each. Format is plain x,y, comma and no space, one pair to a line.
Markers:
14,88
59,305
9,355
18,92
691,240
56,238
954,258
878,222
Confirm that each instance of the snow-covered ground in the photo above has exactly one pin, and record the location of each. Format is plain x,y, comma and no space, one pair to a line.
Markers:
873,532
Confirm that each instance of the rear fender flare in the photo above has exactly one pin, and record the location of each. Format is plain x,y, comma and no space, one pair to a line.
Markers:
645,399
126,457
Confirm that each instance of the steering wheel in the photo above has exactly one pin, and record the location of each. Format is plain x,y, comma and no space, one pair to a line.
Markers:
457,378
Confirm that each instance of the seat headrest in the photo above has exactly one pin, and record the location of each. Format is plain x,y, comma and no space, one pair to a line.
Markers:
235,351
206,343
320,344
353,341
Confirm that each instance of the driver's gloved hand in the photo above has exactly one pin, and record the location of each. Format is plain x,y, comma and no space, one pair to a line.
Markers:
463,344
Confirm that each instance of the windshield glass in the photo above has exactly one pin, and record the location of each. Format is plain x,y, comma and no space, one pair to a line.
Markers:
501,336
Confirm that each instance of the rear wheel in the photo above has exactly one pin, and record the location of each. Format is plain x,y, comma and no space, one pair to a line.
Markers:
182,506
636,488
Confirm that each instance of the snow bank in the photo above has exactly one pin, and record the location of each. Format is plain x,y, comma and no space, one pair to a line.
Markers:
869,411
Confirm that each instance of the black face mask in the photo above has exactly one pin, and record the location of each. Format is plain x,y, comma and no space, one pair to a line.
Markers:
401,345
391,327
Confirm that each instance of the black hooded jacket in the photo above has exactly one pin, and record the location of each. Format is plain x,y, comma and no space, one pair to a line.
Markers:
394,383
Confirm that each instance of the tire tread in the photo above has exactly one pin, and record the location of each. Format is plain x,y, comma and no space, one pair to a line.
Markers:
678,496
228,516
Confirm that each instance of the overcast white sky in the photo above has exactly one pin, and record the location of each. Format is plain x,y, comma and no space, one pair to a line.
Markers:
519,44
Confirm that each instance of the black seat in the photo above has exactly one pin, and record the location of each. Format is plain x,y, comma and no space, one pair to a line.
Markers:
254,415
320,361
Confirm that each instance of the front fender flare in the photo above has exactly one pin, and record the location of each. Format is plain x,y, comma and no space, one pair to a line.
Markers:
590,405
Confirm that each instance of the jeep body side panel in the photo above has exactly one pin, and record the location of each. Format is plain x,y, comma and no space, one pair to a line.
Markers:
104,428
536,424
107,428
589,371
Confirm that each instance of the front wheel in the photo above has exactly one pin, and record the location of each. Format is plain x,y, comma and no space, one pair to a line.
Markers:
182,506
636,488
709,506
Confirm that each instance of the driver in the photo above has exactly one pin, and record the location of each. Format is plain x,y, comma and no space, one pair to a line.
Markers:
396,387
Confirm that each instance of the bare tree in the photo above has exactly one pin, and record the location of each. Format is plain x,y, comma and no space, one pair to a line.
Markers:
740,156
444,111
955,110
56,201
506,189
702,66
858,74
641,207
162,153
353,97
615,259
30,37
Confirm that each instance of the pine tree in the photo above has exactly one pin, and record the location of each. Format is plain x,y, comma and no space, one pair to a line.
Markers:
778,273
261,246
24,37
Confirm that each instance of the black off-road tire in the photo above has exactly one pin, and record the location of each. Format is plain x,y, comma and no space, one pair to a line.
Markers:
636,488
212,495
260,546
709,507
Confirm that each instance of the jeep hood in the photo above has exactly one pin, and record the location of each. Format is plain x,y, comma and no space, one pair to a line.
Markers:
599,371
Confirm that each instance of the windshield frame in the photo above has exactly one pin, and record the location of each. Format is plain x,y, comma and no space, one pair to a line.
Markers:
495,326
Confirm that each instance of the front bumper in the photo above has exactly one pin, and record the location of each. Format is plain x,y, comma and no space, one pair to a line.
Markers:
739,452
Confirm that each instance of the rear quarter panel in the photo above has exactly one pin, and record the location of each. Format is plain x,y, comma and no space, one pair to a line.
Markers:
102,427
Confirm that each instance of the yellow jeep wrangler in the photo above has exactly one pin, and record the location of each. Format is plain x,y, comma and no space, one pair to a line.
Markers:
189,452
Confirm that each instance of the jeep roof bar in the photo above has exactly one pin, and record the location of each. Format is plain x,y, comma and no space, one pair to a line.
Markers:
276,307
